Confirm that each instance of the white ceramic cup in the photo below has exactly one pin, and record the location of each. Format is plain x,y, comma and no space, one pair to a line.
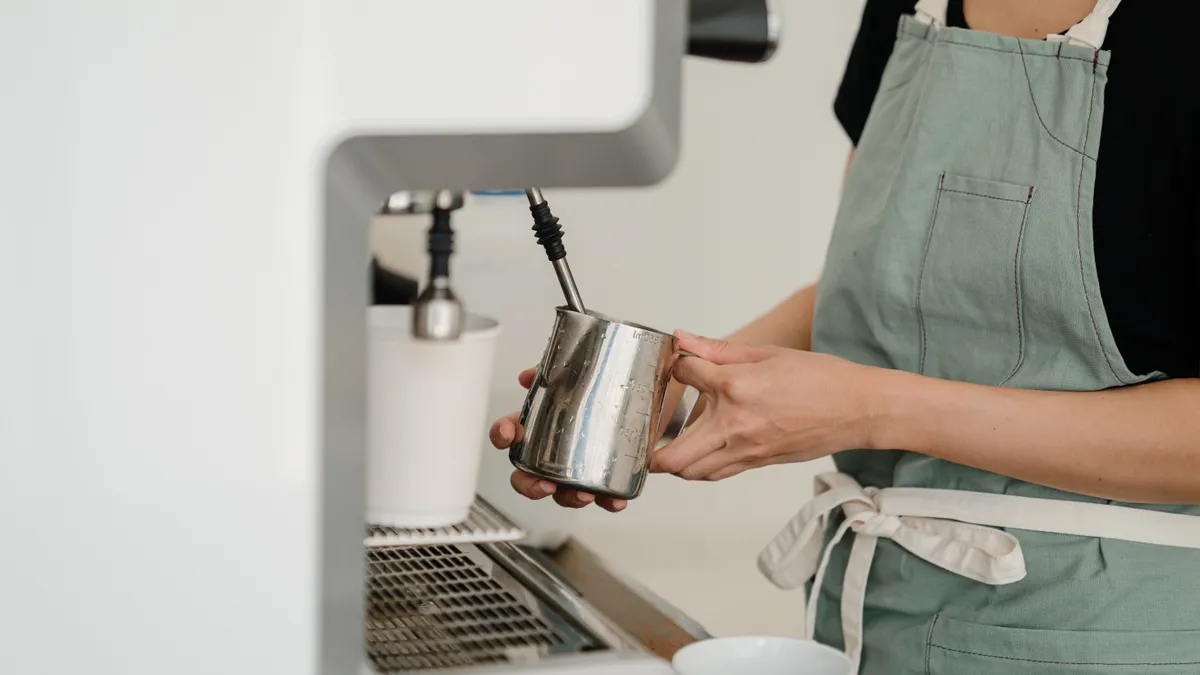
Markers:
760,656
427,411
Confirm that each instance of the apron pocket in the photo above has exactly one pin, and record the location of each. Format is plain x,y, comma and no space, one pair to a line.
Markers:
969,292
957,647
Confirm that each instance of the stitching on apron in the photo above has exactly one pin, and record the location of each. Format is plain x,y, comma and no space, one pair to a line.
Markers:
929,642
1021,51
1087,298
1037,111
976,194
1065,663
1017,288
921,273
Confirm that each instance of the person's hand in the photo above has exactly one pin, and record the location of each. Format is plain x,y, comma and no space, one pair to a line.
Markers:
507,430
766,405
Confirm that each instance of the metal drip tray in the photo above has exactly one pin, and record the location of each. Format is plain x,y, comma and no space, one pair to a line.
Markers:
449,606
483,524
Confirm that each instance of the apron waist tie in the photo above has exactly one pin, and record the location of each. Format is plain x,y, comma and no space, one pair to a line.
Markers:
952,529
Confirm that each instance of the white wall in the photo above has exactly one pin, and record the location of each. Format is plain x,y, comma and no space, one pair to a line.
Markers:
742,223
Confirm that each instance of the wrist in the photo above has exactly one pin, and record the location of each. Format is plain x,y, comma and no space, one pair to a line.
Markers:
893,400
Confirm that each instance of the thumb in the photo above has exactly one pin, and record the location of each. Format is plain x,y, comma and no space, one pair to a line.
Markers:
720,352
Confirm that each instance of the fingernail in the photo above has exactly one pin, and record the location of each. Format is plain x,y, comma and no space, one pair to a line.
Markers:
684,334
586,498
545,487
620,504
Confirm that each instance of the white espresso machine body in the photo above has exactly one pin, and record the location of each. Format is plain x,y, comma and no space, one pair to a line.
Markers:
187,187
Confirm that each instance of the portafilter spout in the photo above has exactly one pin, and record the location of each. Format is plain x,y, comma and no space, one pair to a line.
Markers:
549,235
438,314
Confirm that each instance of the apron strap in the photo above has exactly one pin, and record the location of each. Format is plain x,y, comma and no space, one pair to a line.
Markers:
795,555
1058,516
932,12
952,529
1089,32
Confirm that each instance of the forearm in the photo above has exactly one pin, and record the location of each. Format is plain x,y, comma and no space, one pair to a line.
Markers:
1136,444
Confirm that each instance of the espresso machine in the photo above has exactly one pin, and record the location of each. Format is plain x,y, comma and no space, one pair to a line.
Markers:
184,273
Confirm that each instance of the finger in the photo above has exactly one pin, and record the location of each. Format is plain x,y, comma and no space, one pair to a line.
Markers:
573,499
612,504
506,431
731,470
526,377
720,352
711,464
746,464
532,486
695,443
699,373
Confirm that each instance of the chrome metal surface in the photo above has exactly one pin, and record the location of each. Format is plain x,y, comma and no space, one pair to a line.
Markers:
592,414
535,196
448,200
565,599
774,29
438,314
682,416
423,201
567,281
438,607
484,524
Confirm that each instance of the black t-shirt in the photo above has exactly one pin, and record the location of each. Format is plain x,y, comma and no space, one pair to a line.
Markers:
1147,203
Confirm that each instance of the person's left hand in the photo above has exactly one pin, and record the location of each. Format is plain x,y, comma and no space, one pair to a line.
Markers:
766,405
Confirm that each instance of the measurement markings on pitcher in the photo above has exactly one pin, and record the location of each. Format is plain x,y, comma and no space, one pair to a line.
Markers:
637,387
632,435
649,338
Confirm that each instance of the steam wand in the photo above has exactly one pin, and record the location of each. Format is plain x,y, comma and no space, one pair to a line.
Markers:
549,235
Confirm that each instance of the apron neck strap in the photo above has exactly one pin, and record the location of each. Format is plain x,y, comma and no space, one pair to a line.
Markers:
932,12
1089,32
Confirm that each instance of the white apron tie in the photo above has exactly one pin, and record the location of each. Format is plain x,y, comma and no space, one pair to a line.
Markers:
952,529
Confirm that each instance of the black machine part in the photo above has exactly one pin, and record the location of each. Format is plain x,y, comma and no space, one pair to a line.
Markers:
389,287
549,236
745,31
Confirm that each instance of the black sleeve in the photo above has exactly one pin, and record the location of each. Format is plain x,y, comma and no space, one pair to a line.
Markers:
868,58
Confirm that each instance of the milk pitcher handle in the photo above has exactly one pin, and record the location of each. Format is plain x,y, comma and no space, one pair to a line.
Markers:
684,410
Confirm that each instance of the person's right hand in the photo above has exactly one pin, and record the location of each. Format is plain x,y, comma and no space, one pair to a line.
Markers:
506,430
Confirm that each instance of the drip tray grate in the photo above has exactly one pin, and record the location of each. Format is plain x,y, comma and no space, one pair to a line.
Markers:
434,607
484,524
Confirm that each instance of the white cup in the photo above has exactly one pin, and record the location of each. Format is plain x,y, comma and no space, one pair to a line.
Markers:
760,656
427,411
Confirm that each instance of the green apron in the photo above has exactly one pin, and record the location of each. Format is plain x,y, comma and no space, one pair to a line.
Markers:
963,250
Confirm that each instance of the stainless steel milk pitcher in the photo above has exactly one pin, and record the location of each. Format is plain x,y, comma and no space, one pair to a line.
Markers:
591,417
